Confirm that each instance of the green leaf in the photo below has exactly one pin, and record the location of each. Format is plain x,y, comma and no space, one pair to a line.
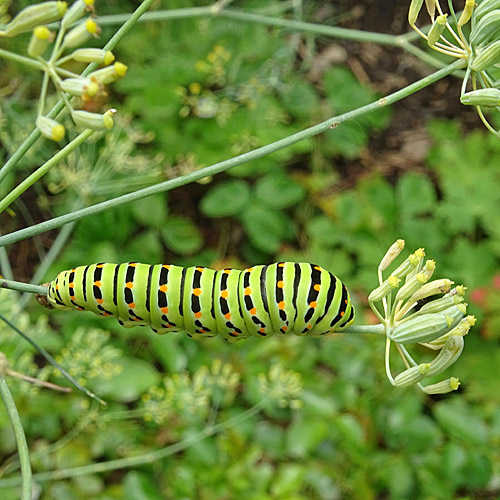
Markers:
278,190
323,230
136,377
288,479
349,211
151,211
304,435
460,421
415,195
139,486
264,227
228,198
181,235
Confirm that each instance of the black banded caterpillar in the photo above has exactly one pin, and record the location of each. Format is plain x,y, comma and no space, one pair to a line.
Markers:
304,299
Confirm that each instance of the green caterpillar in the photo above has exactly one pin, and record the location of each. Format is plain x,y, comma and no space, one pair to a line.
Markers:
279,298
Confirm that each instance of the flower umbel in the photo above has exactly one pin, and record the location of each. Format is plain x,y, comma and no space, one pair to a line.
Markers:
440,324
478,46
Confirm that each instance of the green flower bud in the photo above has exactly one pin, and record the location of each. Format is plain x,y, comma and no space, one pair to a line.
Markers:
76,11
427,327
430,5
109,74
412,375
384,289
461,329
432,288
439,305
82,33
80,86
93,55
414,11
447,356
489,98
486,6
33,16
94,121
39,41
487,57
486,29
436,30
451,384
411,286
50,128
467,12
391,254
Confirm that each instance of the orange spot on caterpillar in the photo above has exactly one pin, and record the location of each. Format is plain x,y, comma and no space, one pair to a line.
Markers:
132,264
262,330
249,269
57,287
132,305
317,287
99,301
317,268
164,310
166,266
280,284
281,264
99,266
197,292
129,284
163,288
248,291
284,328
197,315
224,294
253,311
106,314
313,304
227,316
227,271
71,285
234,334
309,327
341,313
97,283
80,308
281,305
200,269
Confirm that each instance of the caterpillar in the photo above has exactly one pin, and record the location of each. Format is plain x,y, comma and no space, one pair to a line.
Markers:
284,297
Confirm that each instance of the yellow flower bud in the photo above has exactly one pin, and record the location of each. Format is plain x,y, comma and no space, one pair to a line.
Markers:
39,41
50,128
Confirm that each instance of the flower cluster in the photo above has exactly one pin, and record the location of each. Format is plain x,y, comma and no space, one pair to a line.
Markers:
283,386
88,356
439,324
480,49
65,61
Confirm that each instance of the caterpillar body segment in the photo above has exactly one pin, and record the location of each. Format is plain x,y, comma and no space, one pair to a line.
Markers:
284,297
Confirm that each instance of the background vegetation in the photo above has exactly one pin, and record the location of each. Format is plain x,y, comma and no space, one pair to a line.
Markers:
199,91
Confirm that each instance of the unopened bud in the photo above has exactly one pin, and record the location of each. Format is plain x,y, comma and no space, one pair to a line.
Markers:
436,30
432,288
93,55
467,12
414,11
82,33
50,128
447,356
461,330
486,29
460,290
439,305
451,384
430,5
391,254
411,286
33,16
79,86
39,41
412,375
489,98
109,74
384,289
94,121
76,11
427,327
487,57
485,7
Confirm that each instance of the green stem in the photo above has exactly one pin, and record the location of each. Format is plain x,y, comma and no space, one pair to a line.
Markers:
58,107
37,174
22,287
363,329
27,61
22,445
141,459
233,162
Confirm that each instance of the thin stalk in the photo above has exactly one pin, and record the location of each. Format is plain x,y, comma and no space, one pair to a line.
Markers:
22,445
5,268
22,287
363,329
51,360
59,106
27,61
147,458
217,168
37,174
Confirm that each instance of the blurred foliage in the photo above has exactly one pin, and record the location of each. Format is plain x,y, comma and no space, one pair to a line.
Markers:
198,92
